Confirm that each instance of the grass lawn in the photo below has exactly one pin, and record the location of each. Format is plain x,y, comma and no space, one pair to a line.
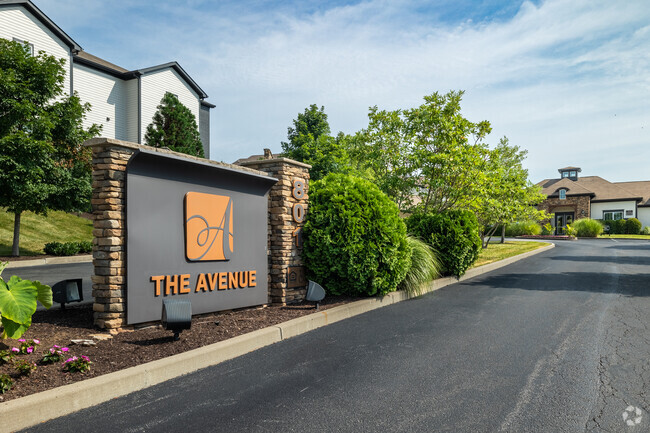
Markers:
498,251
37,230
647,237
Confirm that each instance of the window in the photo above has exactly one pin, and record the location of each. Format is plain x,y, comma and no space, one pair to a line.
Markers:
31,46
573,174
629,213
613,215
565,174
563,194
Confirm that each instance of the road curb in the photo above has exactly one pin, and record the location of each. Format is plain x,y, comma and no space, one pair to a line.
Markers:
50,261
67,399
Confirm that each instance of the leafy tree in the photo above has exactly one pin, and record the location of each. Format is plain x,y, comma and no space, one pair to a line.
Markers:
509,196
310,142
174,127
431,151
42,163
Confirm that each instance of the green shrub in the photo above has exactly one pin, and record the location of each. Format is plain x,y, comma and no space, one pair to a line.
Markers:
548,229
633,226
425,267
85,247
614,227
453,234
62,249
587,228
645,231
355,241
521,228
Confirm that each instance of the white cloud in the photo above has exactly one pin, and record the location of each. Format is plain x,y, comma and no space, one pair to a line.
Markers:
566,79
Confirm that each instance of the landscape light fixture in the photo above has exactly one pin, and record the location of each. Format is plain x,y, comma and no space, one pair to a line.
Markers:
315,293
176,315
67,291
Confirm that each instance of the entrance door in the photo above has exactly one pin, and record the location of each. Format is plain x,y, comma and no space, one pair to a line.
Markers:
561,220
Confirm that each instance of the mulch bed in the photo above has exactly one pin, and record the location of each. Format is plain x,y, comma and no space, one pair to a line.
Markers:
131,348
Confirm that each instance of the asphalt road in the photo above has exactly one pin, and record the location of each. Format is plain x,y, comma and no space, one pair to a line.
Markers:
555,343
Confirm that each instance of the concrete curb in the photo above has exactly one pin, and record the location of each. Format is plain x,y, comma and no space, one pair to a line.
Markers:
67,399
50,261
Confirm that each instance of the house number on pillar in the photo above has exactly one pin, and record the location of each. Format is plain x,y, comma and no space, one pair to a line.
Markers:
298,210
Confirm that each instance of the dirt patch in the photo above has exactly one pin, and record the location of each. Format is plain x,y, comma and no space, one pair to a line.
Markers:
127,349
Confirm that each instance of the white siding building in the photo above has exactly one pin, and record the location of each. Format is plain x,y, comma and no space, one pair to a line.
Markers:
122,101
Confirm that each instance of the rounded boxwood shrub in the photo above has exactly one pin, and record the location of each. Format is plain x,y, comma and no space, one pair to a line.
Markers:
633,226
454,234
587,228
355,241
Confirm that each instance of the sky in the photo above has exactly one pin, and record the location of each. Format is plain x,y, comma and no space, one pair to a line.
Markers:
567,80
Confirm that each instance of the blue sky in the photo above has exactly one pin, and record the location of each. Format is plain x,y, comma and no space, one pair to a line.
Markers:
565,79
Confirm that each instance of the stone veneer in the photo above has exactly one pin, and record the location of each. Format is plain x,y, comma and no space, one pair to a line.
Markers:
110,159
282,243
580,205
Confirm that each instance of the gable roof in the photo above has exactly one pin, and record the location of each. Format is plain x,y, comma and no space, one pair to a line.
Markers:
640,188
47,22
87,59
599,189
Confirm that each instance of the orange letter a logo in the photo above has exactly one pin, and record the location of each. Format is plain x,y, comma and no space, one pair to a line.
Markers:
208,227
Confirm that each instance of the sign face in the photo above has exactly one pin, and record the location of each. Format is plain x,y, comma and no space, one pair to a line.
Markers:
194,230
208,227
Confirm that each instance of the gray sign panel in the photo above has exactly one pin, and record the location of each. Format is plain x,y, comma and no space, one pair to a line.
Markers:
196,231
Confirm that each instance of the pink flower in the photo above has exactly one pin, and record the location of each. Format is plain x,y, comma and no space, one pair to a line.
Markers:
15,350
22,340
85,358
36,341
30,349
64,349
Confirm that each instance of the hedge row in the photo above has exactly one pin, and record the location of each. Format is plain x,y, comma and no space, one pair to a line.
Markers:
68,248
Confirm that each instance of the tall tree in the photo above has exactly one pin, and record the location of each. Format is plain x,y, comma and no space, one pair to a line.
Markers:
174,127
309,141
42,163
509,196
431,152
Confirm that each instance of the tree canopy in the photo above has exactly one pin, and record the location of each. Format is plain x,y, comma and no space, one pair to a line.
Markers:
429,157
309,141
42,163
509,196
174,127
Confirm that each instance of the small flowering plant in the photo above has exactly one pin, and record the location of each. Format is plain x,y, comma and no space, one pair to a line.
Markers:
54,354
24,367
6,356
76,364
5,383
27,346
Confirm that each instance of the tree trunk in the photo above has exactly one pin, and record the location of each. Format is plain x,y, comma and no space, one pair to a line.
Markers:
15,250
503,233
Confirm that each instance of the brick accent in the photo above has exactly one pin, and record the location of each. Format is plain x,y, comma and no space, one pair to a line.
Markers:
282,243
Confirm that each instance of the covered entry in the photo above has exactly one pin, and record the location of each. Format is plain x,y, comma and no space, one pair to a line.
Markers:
561,221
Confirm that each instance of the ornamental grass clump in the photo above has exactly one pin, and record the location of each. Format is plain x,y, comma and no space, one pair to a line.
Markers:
355,241
587,228
77,364
425,267
522,228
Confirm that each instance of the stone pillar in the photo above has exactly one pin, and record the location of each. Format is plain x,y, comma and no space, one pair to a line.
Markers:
287,206
108,205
